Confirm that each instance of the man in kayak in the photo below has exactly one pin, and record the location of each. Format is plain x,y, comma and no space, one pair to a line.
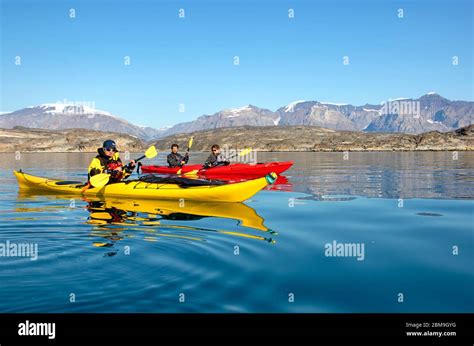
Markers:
215,159
175,159
108,161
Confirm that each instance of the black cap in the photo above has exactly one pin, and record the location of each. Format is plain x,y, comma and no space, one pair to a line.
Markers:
109,144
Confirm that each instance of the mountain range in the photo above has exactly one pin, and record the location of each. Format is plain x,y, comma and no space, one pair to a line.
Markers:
62,116
430,112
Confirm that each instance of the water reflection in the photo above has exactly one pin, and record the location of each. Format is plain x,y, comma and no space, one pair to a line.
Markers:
114,219
434,175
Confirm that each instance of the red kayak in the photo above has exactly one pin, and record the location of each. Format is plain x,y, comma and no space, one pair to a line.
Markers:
234,169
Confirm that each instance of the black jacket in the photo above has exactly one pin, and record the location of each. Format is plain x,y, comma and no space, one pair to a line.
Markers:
175,160
215,160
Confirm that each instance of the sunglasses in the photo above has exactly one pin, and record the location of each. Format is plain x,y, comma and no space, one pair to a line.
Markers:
110,149
214,149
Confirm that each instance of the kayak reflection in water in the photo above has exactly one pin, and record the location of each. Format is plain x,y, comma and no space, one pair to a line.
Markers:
100,216
215,159
175,159
111,217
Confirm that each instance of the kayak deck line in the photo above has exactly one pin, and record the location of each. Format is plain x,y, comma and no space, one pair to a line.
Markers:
234,192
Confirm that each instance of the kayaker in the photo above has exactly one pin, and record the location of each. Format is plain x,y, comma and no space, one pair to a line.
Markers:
215,159
175,159
108,161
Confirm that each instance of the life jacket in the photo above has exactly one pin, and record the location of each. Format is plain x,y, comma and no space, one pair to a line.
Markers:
105,164
112,165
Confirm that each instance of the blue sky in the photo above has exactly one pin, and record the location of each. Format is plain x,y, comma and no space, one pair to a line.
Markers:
190,61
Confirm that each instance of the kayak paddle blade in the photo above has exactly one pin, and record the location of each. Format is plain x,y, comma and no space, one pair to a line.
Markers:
99,180
245,152
190,144
151,152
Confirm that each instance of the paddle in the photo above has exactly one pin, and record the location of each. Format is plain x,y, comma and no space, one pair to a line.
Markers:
242,153
190,144
149,154
100,180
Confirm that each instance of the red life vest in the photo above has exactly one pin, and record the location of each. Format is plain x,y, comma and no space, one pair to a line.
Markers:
110,166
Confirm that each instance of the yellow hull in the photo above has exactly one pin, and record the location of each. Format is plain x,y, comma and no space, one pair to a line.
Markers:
246,215
237,192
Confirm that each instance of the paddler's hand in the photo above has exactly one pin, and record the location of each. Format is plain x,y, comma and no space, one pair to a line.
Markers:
115,172
132,163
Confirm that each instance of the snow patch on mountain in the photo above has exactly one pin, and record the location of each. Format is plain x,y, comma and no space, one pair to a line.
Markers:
290,107
238,110
372,110
334,104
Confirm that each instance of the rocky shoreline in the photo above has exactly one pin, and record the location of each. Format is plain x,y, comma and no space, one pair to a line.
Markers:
271,138
312,138
71,140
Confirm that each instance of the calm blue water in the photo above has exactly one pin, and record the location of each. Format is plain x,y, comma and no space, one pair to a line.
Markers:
409,211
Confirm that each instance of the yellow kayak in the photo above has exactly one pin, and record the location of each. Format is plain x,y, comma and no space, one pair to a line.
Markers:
246,215
147,216
236,192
